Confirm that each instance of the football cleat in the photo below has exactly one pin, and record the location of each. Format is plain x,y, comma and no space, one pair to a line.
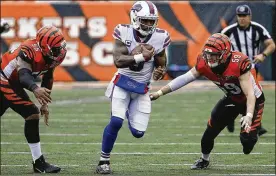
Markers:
200,164
262,131
103,168
41,166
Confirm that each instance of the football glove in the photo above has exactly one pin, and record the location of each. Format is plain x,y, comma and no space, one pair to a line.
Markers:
246,122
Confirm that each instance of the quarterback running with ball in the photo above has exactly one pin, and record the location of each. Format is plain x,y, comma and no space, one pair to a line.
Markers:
139,54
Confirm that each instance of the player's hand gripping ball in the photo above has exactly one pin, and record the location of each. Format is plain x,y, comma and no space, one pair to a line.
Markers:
146,49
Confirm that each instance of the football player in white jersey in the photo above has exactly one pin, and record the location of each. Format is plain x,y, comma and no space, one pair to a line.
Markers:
128,90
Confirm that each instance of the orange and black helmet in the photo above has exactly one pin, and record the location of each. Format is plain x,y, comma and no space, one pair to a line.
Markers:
52,43
217,44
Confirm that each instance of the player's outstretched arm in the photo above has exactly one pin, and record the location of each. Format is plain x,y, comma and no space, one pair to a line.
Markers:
176,83
248,90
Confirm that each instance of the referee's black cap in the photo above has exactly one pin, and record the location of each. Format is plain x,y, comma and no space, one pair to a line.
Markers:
243,10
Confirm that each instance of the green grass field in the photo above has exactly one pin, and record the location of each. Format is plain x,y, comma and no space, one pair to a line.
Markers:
169,147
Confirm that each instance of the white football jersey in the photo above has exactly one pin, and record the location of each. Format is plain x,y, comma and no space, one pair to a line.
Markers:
160,39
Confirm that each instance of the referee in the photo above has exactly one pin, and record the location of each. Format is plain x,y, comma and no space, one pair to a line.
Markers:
247,36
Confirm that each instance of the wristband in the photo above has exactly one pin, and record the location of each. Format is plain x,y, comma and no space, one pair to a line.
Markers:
33,87
249,114
160,93
139,58
264,55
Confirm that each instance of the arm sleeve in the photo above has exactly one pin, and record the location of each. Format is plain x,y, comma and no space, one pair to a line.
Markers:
181,81
26,79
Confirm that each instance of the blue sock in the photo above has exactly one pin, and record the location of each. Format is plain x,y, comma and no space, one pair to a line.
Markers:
110,135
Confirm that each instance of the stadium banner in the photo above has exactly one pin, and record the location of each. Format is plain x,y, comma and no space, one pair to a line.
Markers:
88,28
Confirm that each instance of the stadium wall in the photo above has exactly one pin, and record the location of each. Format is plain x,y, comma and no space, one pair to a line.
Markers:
88,28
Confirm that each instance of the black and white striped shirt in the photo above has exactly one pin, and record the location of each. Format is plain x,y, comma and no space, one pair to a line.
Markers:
249,40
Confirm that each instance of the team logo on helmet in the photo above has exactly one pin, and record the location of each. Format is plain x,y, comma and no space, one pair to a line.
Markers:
137,7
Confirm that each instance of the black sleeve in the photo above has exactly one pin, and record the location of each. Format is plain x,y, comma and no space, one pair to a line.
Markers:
26,79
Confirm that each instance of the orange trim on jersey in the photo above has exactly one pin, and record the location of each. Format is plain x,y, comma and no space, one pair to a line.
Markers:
257,120
12,97
4,82
254,73
209,123
257,124
6,90
23,102
260,111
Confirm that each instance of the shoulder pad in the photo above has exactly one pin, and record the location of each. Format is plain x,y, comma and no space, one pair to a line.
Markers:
119,31
167,40
26,53
245,65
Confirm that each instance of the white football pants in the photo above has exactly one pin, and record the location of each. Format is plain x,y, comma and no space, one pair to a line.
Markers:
137,105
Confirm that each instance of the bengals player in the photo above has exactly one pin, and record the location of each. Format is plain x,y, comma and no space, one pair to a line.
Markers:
230,71
19,68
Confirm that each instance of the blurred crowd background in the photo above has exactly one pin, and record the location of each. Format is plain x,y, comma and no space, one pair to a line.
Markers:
88,28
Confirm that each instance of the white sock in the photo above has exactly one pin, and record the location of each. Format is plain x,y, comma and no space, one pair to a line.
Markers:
105,156
205,156
36,150
104,159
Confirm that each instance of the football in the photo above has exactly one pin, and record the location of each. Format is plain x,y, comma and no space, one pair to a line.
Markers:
138,49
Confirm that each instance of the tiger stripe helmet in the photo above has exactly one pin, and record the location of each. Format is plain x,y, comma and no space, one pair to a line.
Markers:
217,44
52,43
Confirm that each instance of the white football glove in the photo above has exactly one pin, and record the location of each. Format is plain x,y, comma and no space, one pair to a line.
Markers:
246,122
